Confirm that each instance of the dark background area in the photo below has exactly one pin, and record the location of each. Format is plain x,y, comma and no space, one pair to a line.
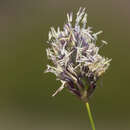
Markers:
25,91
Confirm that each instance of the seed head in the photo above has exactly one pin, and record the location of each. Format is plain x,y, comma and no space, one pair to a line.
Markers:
75,56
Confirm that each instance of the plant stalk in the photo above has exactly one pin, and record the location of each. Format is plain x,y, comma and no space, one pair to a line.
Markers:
90,116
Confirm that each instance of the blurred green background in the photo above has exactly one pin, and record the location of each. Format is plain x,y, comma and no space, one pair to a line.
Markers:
25,91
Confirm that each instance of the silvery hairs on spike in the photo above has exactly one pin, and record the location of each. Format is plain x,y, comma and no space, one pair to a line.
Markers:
74,54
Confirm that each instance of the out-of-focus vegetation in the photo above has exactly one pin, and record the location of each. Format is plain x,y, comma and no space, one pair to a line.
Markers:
25,91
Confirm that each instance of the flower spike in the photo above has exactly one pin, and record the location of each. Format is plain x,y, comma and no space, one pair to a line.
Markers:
75,56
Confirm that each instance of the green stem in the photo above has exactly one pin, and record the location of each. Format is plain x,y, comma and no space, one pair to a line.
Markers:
90,116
